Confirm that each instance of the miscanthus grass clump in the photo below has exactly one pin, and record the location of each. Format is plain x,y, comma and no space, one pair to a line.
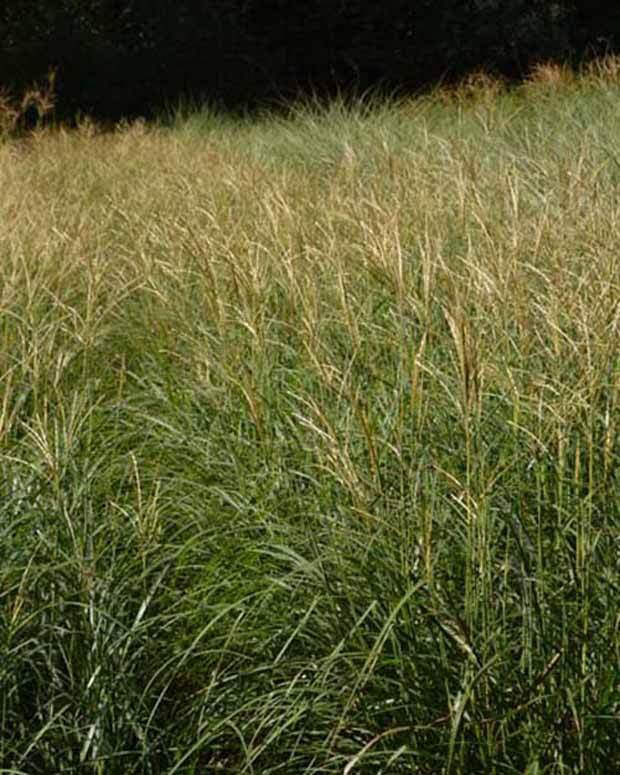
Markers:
309,451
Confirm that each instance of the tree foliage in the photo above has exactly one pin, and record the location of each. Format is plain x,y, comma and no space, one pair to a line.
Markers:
123,57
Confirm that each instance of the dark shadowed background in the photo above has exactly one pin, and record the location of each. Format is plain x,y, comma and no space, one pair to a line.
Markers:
122,58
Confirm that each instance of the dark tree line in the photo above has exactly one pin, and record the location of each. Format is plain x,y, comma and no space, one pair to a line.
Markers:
118,58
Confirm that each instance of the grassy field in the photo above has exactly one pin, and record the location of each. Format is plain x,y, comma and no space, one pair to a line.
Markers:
309,440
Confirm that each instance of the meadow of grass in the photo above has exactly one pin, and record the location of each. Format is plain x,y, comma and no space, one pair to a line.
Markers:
309,452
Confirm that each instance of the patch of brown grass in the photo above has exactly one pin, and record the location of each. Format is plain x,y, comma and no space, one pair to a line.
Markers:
26,113
551,75
605,69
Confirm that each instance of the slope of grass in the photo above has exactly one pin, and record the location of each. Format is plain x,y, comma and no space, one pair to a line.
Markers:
309,441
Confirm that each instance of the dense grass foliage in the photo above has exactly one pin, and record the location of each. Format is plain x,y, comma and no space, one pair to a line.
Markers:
309,452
